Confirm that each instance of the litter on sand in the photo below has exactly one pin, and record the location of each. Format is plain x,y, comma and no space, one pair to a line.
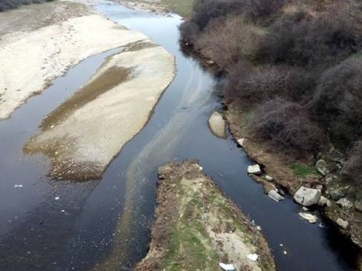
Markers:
18,186
227,267
253,257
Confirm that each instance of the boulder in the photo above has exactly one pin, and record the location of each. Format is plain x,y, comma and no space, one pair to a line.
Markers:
254,169
322,167
345,203
337,193
307,196
342,223
322,201
217,124
241,142
309,217
358,205
274,195
269,178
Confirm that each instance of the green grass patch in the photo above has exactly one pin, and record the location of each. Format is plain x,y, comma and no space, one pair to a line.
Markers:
181,7
303,171
185,244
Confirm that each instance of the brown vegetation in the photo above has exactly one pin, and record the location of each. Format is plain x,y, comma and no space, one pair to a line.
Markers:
286,126
294,86
10,4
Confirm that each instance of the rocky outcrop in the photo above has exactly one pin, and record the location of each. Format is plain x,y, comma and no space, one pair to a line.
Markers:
307,196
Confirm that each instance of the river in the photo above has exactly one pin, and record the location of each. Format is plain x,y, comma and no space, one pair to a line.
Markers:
104,225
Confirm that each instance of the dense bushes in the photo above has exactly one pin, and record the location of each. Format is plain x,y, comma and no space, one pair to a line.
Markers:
10,4
286,62
303,40
338,101
287,127
207,11
235,36
250,86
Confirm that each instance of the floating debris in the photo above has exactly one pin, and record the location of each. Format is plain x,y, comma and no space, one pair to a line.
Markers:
18,186
57,198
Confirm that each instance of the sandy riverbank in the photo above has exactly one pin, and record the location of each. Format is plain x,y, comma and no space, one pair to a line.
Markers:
197,228
50,38
84,134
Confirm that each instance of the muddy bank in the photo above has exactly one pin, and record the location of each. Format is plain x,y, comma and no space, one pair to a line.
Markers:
280,169
87,131
197,228
49,39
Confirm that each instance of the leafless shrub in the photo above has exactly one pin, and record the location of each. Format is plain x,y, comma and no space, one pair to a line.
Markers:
303,40
337,103
263,9
189,33
207,10
287,127
229,42
251,85
10,4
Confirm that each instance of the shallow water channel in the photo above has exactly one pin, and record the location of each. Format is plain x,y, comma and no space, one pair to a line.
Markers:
104,225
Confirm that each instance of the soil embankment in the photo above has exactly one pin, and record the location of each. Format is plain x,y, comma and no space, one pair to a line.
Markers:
197,228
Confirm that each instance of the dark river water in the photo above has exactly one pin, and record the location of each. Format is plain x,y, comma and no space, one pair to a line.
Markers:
104,225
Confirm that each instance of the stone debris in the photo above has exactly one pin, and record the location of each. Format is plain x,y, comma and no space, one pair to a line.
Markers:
227,267
322,201
241,142
309,217
269,178
345,203
254,169
322,167
342,223
274,195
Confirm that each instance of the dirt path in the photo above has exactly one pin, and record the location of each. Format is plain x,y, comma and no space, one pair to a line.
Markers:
197,228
